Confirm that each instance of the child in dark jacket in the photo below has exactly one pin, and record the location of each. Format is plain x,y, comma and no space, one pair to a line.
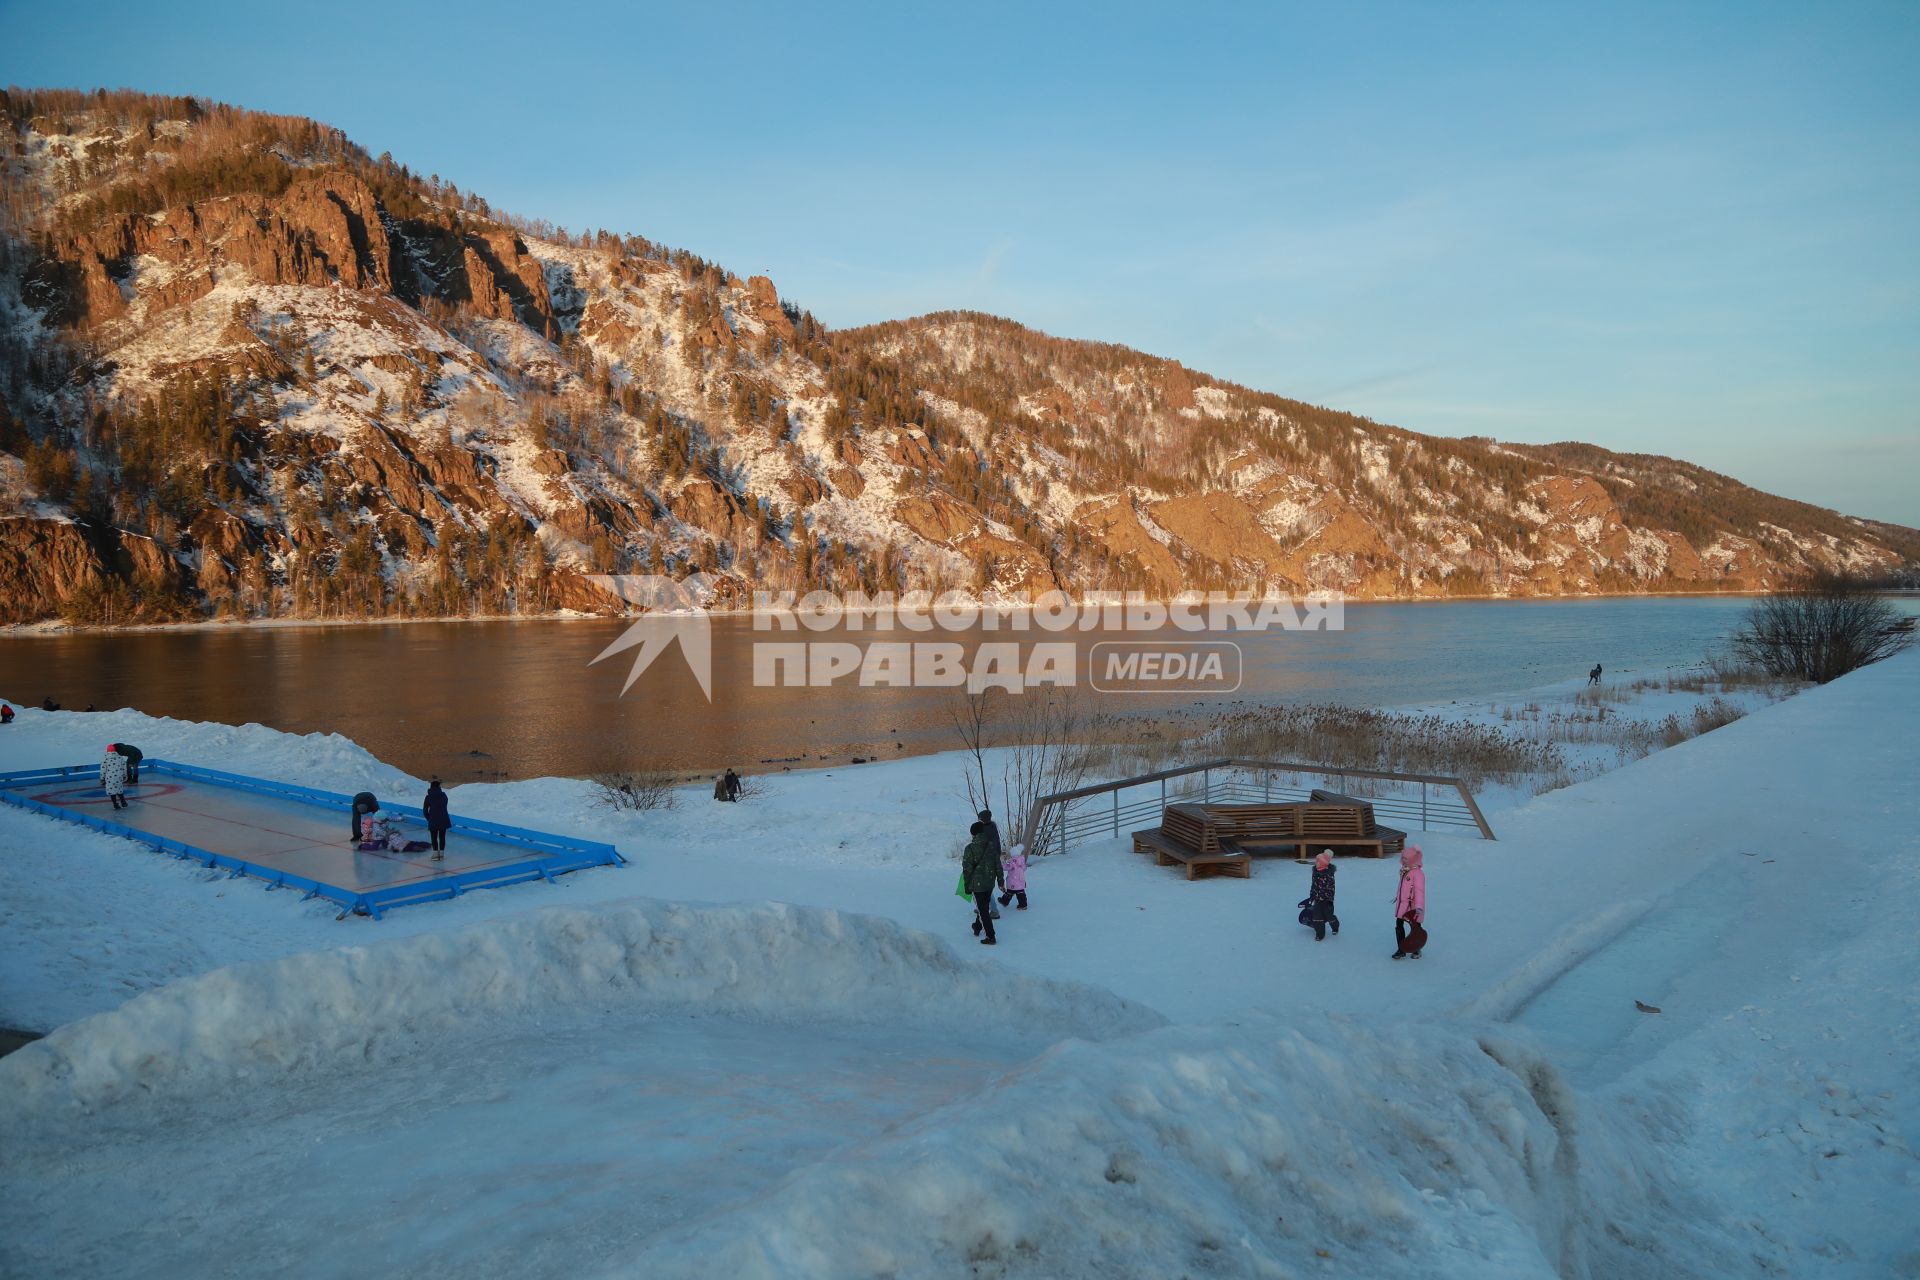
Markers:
1316,909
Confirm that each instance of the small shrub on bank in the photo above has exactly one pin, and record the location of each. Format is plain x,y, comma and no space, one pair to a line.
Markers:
642,790
1821,628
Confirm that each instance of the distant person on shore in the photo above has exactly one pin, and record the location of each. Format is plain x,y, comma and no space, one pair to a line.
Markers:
48,704
113,777
1410,907
363,804
133,756
720,787
980,869
732,781
6,714
1013,866
434,808
1316,909
1593,676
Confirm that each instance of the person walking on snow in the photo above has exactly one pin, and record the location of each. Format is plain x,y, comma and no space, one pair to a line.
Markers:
434,809
1593,676
1013,865
1410,906
113,777
980,869
991,830
1316,909
732,783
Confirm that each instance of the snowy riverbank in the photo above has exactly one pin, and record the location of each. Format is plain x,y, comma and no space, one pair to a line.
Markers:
1499,1107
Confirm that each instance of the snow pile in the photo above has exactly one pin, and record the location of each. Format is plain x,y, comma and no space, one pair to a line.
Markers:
347,1008
1248,1149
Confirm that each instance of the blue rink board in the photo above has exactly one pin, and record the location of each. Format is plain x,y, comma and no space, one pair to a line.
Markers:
296,837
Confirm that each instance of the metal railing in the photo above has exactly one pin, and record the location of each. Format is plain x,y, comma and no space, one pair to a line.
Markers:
1104,810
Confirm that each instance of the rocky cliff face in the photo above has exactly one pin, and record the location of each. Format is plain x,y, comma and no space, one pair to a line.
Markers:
248,370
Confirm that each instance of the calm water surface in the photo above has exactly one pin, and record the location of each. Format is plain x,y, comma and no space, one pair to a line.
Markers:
474,700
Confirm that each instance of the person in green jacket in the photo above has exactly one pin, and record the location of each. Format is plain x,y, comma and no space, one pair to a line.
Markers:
980,868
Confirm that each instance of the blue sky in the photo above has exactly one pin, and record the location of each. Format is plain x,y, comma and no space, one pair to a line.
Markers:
1690,229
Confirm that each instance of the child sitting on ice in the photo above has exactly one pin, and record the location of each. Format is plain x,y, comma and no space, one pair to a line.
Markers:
1013,865
379,831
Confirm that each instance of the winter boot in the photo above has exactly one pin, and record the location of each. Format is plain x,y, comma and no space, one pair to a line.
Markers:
988,942
1399,955
1335,922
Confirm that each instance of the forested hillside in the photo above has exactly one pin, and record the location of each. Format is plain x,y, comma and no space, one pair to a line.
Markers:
248,370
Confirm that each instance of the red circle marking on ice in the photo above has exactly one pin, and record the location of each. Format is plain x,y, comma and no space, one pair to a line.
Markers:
94,795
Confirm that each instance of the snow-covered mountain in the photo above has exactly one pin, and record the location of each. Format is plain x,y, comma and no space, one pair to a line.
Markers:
247,369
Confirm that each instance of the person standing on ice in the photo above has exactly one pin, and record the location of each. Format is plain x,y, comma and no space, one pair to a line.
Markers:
133,756
1013,865
980,868
1593,676
1316,909
1410,906
732,782
113,777
434,809
363,804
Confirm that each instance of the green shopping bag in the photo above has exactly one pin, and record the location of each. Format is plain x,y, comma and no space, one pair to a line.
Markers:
960,890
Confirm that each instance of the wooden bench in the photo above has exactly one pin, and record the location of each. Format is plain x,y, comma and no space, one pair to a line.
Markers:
1343,821
1167,851
1223,839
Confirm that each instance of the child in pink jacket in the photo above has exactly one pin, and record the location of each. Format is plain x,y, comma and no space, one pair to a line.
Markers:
1013,864
1410,906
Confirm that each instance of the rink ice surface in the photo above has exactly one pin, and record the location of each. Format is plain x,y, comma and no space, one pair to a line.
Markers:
276,834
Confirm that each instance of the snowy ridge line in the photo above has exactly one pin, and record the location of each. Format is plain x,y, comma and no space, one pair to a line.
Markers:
358,1006
1245,1148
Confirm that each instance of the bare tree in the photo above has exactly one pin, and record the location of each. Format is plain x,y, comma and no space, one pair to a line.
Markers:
1049,730
1820,628
1024,746
973,724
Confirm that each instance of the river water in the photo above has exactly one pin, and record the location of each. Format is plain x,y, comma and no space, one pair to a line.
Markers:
474,700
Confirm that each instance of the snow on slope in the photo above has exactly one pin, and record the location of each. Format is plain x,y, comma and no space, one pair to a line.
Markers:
361,1006
1765,1123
